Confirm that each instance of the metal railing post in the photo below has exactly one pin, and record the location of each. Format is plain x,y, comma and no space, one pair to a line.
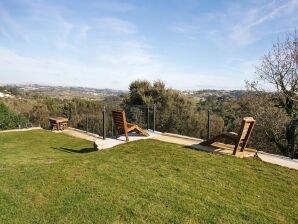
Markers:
154,117
104,123
148,117
112,128
19,121
87,123
209,124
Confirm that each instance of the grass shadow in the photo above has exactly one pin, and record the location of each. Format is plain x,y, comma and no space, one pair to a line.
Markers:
206,149
83,150
196,149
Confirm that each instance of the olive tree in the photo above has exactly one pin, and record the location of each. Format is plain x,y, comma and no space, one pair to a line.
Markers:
276,99
175,112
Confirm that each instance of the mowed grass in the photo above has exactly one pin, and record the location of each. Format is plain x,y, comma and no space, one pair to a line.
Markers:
53,178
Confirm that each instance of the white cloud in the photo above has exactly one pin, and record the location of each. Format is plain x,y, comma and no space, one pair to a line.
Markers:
80,52
126,53
12,25
4,33
83,33
123,61
117,71
246,31
43,22
94,46
185,28
114,6
241,23
212,79
116,25
243,68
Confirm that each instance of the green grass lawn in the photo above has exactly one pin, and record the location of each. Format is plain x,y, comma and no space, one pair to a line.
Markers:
53,178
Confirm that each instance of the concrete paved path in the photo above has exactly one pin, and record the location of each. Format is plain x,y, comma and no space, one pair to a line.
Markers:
279,160
225,149
178,139
111,142
80,134
194,143
21,129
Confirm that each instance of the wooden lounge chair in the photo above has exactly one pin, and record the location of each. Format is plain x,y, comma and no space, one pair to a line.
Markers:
120,122
241,138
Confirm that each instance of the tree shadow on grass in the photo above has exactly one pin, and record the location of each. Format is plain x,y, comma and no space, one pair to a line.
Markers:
83,150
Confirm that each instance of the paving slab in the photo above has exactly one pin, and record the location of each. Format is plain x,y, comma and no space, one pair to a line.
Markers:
111,142
278,160
178,139
80,134
225,149
194,143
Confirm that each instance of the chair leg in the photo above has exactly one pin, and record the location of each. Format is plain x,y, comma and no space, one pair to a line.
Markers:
243,146
138,130
236,147
116,133
141,131
126,136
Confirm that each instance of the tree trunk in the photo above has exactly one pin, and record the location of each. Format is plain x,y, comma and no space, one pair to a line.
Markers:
291,138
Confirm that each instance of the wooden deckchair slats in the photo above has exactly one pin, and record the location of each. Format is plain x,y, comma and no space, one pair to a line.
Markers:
120,122
232,135
241,138
118,117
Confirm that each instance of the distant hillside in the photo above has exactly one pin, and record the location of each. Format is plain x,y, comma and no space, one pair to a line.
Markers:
64,92
67,92
204,94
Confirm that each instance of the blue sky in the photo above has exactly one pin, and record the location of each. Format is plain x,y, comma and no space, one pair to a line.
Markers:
189,44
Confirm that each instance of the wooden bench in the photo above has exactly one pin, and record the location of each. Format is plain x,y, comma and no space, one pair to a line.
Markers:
58,123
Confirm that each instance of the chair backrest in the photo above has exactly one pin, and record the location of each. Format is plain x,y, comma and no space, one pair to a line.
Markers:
119,118
246,128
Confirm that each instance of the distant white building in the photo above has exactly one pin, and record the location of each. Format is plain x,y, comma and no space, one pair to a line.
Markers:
5,95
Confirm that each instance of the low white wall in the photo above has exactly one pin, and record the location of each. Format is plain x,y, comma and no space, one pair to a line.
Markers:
21,129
